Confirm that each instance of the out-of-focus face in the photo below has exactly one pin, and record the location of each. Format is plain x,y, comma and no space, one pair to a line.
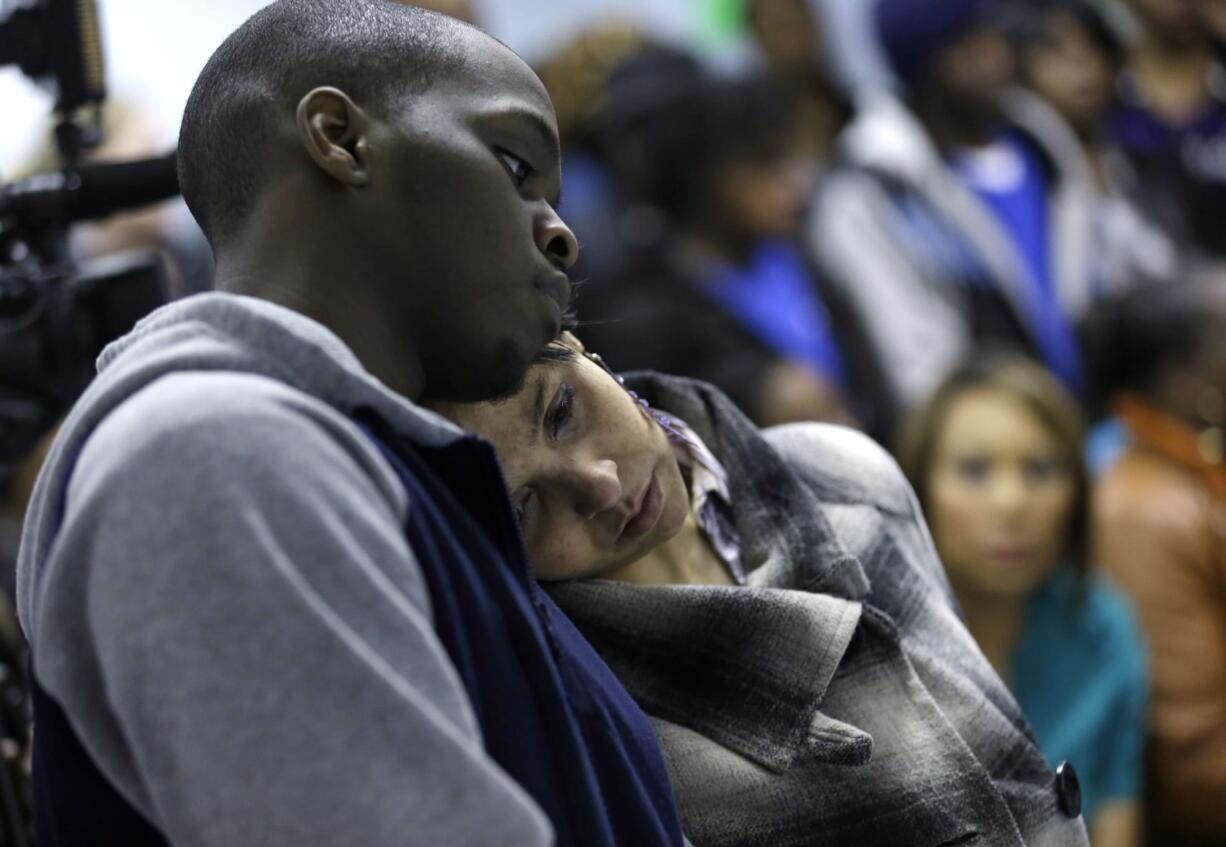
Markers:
1000,496
974,72
756,199
1172,21
1215,17
592,478
1072,73
787,34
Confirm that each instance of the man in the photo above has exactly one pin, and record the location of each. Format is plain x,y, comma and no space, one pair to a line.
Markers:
1159,530
270,600
961,213
790,37
1171,120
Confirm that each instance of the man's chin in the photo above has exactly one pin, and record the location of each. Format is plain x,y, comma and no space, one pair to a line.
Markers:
496,378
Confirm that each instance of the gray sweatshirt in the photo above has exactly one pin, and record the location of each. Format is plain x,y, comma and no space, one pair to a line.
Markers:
228,611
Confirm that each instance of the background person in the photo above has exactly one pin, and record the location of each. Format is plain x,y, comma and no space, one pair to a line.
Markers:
1071,55
995,456
1171,120
957,215
1160,531
726,295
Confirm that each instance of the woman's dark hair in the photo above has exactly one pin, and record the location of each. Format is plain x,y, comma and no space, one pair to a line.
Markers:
706,123
1024,381
1132,340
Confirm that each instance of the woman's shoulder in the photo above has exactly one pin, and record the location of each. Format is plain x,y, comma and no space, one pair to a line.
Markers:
1106,623
1110,611
843,465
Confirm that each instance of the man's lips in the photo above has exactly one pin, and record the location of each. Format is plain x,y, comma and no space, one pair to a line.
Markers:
556,286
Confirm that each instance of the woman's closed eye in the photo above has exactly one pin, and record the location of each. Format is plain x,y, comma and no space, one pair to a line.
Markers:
561,411
521,502
557,417
519,169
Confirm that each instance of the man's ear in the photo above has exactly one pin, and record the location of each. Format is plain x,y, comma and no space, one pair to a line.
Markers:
335,132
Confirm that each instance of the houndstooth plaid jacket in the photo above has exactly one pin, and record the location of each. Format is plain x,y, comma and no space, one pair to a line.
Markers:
838,698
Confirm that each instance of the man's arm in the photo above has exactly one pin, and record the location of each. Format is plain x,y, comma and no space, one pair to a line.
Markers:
266,668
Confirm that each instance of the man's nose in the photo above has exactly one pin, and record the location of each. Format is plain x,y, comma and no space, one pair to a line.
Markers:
597,487
556,241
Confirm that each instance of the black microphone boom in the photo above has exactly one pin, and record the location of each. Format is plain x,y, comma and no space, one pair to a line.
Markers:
88,192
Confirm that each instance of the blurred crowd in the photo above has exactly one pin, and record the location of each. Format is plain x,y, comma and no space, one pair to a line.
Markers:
991,234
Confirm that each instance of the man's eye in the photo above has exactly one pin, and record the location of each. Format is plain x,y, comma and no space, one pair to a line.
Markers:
516,167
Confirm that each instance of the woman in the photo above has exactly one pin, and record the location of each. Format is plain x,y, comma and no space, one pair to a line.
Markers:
1160,530
995,458
773,602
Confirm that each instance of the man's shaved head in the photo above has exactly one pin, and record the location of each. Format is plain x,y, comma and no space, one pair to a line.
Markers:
376,51
391,172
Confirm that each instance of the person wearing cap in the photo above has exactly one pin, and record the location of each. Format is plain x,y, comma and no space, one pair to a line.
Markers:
962,209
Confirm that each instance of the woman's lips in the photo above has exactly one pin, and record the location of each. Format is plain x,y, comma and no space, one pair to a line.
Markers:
1012,554
649,512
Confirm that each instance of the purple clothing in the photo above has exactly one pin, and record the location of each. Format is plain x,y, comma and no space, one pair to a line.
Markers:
1181,167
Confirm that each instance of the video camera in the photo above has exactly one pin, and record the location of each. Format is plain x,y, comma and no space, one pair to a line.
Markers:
56,314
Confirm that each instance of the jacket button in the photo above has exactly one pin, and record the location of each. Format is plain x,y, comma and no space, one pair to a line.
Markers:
1068,790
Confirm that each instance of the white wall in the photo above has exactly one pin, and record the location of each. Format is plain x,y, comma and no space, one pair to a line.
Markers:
155,48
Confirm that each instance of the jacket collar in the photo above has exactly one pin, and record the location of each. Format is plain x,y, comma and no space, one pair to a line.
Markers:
747,667
1164,435
765,493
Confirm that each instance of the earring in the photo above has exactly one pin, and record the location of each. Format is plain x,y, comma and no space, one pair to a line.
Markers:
665,422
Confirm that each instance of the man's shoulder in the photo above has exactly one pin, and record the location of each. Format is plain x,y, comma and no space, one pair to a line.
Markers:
211,425
843,465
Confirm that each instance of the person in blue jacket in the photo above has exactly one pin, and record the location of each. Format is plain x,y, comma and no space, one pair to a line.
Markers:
995,457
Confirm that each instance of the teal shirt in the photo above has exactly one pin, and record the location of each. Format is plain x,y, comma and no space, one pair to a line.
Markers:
1080,676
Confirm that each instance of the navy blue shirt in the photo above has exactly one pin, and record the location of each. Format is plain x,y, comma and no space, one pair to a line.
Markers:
551,713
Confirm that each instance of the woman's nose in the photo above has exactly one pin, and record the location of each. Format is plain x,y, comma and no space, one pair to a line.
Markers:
597,487
556,241
1008,493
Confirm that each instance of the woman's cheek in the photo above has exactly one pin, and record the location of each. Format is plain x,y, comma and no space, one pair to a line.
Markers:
564,554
